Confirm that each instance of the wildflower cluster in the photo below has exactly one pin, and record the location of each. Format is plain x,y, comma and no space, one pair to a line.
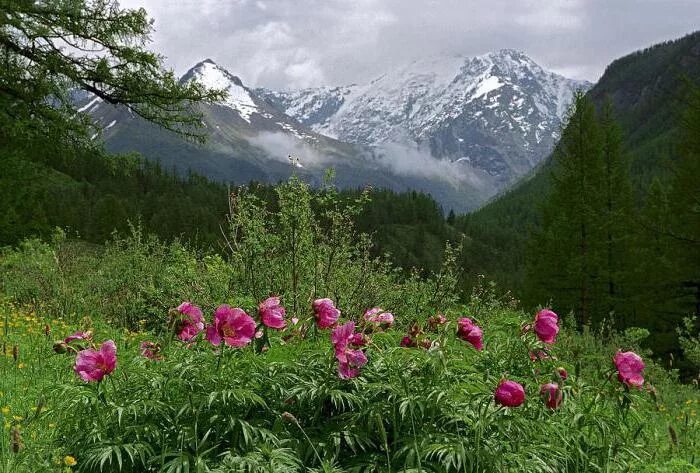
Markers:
235,328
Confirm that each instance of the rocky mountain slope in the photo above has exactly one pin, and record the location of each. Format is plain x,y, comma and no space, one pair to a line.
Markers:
499,113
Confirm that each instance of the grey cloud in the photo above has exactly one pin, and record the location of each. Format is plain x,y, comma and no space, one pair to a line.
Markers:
299,43
396,158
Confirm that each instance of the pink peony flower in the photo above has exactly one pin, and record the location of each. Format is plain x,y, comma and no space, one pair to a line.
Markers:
509,394
94,365
272,313
233,326
546,326
407,342
349,361
350,368
467,331
359,340
552,395
191,322
629,368
151,350
376,315
325,313
341,337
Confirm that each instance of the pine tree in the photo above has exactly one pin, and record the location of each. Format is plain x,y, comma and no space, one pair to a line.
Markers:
451,217
50,48
684,200
565,255
652,282
617,211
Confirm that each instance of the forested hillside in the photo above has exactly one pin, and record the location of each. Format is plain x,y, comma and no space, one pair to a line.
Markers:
643,111
92,194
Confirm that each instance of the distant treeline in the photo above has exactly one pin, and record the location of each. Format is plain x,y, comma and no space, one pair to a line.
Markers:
92,195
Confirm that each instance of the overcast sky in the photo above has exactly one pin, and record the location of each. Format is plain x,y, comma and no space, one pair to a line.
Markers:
299,43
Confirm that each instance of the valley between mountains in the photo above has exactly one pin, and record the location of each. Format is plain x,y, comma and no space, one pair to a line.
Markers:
459,128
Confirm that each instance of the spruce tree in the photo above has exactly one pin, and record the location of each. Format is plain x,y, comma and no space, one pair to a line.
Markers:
617,211
684,202
565,257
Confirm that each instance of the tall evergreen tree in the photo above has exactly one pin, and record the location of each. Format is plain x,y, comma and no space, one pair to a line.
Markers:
617,211
566,254
668,245
684,200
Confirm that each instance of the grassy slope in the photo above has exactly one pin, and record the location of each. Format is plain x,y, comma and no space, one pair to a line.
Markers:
410,409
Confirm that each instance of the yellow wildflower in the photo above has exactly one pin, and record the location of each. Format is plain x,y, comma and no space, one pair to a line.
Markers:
69,460
6,410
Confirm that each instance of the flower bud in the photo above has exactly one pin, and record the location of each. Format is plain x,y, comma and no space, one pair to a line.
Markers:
289,417
562,373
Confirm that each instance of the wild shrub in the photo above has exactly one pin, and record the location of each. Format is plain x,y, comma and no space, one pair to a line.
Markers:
129,281
308,248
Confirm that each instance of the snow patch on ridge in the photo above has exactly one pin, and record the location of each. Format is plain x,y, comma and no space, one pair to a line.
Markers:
489,84
239,99
89,105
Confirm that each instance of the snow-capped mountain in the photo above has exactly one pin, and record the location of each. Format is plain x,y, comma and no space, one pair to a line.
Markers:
461,129
499,113
251,139
245,109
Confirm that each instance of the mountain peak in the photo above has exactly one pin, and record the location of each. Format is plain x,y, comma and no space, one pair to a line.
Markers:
513,53
498,113
212,75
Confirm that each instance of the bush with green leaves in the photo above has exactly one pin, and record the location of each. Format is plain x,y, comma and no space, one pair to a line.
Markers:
306,247
689,341
128,281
